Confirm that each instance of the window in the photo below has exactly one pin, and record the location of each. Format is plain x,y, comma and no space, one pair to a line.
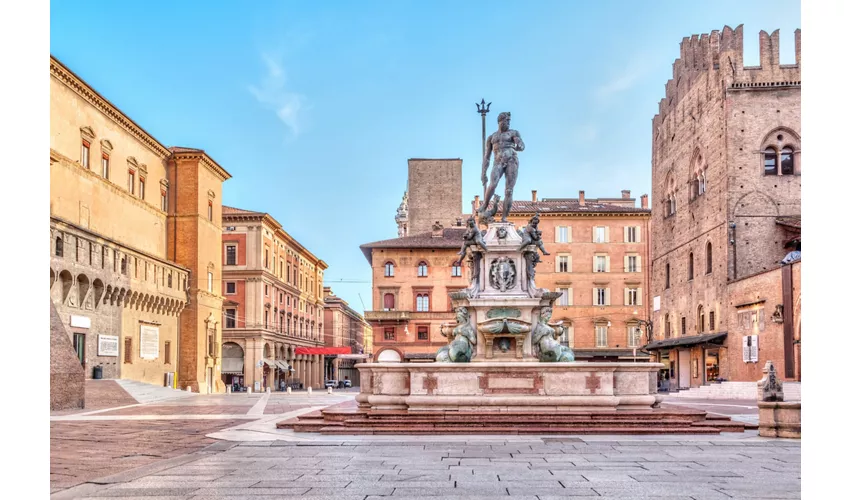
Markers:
80,347
104,166
266,258
230,287
230,255
684,329
601,264
266,290
422,333
708,258
141,187
770,161
632,234
84,154
668,329
787,161
701,183
169,280
690,266
389,302
701,320
601,335
389,333
632,264
124,266
567,338
457,270
600,234
163,200
60,247
131,182
566,298
634,336
564,264
210,282
601,296
209,211
667,276
265,319
422,304
128,349
389,270
167,353
711,321
423,269
633,296
562,234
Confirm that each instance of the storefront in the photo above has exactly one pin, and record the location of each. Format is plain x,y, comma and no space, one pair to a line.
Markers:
233,366
689,361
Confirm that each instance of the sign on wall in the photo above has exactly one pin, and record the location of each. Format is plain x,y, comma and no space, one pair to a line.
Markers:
107,345
80,321
149,342
656,303
751,348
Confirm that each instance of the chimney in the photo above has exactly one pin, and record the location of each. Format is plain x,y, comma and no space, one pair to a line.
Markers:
533,195
437,230
644,201
626,194
476,204
581,198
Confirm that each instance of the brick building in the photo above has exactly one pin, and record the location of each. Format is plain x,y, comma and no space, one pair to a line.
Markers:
726,168
274,309
124,277
345,330
598,249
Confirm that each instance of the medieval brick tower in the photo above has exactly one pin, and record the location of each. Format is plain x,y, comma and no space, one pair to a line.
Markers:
434,193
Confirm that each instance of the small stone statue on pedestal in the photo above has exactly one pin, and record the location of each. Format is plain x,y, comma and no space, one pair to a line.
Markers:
549,349
472,236
770,387
461,349
532,236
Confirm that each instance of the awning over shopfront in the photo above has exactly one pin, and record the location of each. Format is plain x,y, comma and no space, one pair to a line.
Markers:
323,350
232,366
687,341
282,365
269,363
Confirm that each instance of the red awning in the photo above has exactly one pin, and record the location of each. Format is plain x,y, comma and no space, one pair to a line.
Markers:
323,350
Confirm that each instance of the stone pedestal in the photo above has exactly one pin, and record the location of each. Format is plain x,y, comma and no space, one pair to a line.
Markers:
780,419
508,386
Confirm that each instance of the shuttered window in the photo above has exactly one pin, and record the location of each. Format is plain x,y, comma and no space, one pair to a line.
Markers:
128,349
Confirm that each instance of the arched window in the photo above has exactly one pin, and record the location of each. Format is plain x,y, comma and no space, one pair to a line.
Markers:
787,161
169,280
769,161
690,266
708,258
60,247
123,265
457,270
389,270
700,320
389,302
423,269
667,276
422,303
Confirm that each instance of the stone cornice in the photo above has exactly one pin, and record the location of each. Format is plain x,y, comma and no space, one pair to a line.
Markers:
589,213
85,91
205,160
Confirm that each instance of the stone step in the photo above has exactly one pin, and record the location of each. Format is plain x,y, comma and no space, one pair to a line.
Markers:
503,430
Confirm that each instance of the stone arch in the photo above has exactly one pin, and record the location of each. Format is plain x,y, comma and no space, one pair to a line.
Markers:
756,203
97,290
776,142
267,351
388,355
52,278
67,281
83,286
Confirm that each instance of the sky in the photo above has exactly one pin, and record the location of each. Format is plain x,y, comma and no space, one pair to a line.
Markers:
315,107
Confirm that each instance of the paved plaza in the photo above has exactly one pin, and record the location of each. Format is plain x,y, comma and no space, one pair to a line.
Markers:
227,446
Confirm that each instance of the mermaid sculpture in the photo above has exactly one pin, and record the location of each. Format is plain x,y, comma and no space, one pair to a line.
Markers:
543,336
461,348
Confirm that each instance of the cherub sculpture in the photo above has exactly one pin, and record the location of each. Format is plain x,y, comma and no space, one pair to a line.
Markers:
549,349
461,348
533,236
472,236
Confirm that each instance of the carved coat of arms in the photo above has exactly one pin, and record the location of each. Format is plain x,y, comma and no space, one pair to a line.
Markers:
503,274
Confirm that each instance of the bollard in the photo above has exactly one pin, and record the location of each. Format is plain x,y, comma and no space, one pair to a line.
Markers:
268,390
249,390
330,390
227,389
289,390
189,388
309,391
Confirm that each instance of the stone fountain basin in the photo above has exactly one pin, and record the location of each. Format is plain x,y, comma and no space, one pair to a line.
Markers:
509,386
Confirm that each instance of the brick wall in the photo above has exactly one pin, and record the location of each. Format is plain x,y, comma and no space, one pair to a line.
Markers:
435,193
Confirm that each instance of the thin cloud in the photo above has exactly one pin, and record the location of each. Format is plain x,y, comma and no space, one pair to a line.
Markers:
272,92
625,80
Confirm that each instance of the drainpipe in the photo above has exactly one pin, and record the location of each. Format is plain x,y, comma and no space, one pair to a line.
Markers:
732,242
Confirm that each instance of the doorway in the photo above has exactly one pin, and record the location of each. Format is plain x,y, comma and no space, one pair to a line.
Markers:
684,373
209,380
712,365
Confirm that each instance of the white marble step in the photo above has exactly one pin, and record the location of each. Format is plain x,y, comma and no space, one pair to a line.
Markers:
147,393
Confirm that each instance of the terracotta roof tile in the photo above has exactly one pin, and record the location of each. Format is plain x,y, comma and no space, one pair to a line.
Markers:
452,238
180,149
225,210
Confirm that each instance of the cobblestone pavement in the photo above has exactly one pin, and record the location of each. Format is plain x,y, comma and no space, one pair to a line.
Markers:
187,453
101,394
